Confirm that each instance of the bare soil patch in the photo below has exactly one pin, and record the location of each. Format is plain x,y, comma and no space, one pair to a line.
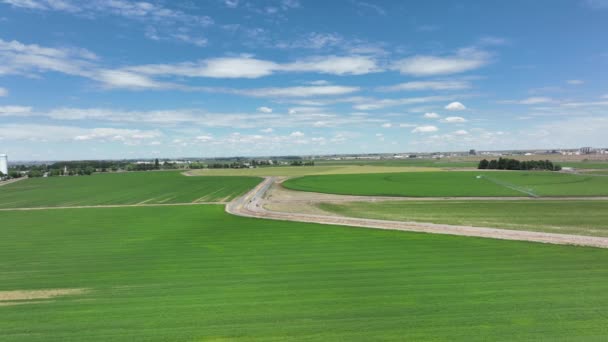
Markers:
18,297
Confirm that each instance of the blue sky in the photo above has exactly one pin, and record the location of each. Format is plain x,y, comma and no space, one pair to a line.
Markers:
122,79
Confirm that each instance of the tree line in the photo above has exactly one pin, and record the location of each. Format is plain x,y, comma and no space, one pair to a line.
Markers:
514,164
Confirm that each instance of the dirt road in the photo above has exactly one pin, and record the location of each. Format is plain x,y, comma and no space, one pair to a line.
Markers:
253,204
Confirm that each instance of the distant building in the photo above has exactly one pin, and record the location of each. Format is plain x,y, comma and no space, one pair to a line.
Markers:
586,150
472,152
4,164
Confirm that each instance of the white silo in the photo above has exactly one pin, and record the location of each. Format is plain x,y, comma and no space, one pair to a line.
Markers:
4,164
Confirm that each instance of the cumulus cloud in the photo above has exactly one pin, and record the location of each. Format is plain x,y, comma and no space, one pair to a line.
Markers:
264,109
461,132
296,134
425,129
463,60
455,106
267,130
387,125
453,119
428,85
431,116
575,82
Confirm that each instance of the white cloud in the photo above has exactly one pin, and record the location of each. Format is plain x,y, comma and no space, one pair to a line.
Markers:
227,67
387,125
15,111
174,24
264,109
428,85
318,82
127,136
425,129
267,130
530,101
296,134
3,92
575,82
248,67
335,65
455,106
145,11
406,125
24,59
461,132
298,91
231,3
454,119
373,104
431,116
128,80
465,59
204,138
585,104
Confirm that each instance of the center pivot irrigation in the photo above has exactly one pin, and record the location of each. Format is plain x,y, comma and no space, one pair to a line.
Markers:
511,186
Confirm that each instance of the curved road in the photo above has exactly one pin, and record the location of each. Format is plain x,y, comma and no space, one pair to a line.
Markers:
252,205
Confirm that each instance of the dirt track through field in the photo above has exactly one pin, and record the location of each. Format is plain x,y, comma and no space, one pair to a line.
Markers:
254,204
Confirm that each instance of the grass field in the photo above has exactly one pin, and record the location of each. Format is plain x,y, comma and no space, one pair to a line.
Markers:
122,188
194,273
297,171
457,184
564,217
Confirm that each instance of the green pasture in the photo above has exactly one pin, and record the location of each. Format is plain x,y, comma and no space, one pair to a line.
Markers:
122,188
195,273
456,184
563,217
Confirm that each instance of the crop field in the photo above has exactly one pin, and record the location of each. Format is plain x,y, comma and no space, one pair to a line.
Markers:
297,171
456,184
564,217
122,188
192,273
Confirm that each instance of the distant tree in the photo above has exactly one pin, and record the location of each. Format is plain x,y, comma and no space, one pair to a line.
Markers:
35,173
156,164
483,164
493,164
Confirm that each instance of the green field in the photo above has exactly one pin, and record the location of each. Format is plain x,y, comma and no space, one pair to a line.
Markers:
122,188
194,273
564,217
297,171
457,184
437,163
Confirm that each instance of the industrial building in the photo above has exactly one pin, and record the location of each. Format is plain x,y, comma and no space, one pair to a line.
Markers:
4,164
